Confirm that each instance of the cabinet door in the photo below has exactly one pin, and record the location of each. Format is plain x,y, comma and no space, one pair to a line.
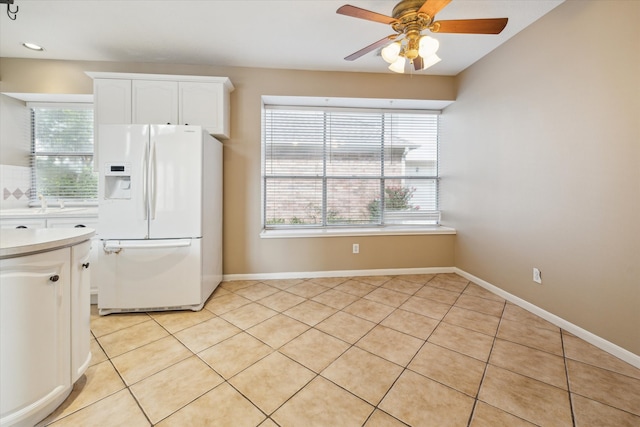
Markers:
204,104
112,101
80,309
155,102
91,222
111,105
35,340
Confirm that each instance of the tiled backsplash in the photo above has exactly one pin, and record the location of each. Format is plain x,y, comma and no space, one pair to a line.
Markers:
15,182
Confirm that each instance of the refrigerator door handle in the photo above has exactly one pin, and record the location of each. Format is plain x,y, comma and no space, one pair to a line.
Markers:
153,179
145,181
116,246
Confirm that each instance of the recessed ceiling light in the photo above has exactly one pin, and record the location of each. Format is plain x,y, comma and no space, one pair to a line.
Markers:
32,46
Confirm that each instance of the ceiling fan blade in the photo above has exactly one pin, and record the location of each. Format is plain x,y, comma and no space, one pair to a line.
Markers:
470,26
431,7
371,47
418,63
357,12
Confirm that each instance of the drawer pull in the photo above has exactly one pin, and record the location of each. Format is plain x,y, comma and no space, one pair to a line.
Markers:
85,265
54,278
80,226
21,226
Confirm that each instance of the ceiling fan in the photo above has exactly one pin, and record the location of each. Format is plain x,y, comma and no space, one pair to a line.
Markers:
409,19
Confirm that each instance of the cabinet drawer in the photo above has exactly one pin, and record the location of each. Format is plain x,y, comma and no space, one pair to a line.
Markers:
72,222
23,223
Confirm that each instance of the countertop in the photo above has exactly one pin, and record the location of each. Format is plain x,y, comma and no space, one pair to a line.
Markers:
24,241
70,211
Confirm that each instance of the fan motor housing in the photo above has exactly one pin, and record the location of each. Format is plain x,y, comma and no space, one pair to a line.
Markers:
408,20
406,6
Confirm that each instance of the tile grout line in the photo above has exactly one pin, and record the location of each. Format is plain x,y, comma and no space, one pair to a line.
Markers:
352,345
566,373
404,368
486,367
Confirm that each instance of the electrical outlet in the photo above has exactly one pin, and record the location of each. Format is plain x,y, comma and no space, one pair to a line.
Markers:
537,275
356,248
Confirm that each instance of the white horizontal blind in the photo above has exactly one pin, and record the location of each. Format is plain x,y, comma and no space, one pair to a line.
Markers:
349,167
62,154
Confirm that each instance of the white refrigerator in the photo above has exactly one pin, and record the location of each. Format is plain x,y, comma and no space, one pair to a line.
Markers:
159,217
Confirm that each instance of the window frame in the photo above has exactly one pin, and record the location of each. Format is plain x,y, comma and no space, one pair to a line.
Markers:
34,154
326,228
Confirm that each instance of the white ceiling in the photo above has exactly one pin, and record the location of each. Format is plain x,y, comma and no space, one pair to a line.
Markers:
291,34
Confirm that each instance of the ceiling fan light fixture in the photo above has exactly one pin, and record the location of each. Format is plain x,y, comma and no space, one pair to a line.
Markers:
428,46
391,52
409,19
398,65
431,60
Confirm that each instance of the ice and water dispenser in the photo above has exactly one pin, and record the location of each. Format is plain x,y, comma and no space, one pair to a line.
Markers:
117,181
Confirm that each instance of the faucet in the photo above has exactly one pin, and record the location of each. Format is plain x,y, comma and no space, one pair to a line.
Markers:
43,203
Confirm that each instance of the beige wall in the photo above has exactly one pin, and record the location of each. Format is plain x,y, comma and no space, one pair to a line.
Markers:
244,252
541,152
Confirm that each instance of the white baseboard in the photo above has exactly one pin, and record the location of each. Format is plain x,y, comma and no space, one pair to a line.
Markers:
597,341
337,273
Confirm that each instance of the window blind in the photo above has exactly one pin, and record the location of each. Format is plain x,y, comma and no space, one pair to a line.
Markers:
62,153
349,167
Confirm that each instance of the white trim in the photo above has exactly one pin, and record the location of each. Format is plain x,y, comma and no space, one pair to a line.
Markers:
353,231
61,105
589,337
55,98
337,273
432,106
165,77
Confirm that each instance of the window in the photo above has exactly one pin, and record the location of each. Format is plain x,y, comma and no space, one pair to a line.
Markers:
62,153
344,167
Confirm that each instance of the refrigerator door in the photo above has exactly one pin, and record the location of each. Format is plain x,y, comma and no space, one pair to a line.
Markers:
149,275
122,188
175,182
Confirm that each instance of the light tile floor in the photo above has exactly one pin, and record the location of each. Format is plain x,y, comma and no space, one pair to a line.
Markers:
419,350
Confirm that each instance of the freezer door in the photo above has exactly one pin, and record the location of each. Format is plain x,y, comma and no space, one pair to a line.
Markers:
175,182
122,186
149,274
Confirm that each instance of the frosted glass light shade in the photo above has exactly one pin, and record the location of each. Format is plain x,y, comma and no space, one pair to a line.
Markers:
398,65
390,52
429,61
428,46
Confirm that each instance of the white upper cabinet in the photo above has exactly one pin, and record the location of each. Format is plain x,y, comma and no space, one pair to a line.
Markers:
155,101
206,104
112,101
125,98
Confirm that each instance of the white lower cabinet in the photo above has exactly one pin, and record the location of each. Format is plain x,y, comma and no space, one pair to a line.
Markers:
45,339
81,222
80,308
36,335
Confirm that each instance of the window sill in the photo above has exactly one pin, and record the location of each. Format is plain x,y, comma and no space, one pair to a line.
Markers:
348,232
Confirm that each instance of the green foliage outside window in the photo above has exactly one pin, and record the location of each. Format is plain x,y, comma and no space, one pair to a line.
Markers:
396,198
